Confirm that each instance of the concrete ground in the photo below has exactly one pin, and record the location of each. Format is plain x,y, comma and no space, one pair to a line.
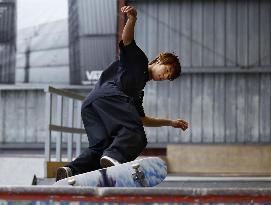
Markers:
19,169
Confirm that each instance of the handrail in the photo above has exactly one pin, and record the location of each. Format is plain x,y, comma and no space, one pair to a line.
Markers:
67,119
65,93
66,129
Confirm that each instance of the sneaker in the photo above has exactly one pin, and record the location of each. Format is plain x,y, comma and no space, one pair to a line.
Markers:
63,172
106,161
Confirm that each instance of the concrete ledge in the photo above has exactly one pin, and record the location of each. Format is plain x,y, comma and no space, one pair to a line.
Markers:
112,191
223,160
135,195
217,179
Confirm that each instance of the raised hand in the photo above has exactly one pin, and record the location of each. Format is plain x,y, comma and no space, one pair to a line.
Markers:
130,11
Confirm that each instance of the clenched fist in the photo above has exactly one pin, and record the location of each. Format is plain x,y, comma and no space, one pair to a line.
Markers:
179,124
130,11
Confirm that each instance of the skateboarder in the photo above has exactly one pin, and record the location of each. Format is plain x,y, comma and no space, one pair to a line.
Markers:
113,114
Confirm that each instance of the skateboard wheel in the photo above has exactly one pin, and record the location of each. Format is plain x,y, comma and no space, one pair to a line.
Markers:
136,166
71,181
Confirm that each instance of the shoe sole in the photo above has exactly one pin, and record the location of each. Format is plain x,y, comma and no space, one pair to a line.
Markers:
62,173
106,163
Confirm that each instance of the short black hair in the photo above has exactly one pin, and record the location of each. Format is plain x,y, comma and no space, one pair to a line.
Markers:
169,59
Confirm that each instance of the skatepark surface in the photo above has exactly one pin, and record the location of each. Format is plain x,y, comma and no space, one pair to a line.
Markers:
19,169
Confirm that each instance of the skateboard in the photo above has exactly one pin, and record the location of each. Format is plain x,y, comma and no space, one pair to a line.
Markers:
145,172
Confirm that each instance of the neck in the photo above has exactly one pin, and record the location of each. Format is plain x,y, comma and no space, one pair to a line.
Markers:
150,67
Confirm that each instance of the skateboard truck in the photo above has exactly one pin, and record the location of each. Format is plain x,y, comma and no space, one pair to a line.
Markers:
138,175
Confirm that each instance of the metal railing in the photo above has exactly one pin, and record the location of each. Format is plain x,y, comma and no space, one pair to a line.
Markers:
60,122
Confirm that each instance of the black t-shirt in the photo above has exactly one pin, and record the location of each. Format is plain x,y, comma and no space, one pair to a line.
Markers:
124,77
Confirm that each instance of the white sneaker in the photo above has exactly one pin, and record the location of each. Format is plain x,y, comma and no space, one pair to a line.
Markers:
106,161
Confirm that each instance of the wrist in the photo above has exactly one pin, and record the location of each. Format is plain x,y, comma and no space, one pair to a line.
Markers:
132,18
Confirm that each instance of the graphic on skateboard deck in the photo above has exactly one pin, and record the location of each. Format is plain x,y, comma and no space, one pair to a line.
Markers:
145,172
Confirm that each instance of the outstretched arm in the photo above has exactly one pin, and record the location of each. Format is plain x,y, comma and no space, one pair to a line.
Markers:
159,122
128,31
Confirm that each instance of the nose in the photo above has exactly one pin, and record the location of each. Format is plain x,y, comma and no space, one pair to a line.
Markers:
166,75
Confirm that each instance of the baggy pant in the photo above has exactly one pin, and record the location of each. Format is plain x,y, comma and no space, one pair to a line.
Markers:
114,129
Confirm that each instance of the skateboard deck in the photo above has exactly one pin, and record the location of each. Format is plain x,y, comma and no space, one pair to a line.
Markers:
145,172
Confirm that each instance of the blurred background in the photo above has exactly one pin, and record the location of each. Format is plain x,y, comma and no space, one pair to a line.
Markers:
224,46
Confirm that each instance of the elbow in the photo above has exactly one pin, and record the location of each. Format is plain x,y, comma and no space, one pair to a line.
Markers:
143,120
126,41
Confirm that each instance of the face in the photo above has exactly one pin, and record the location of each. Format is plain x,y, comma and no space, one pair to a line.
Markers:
161,72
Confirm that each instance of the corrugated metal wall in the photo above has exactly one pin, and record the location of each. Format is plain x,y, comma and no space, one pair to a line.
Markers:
224,46
93,26
48,50
22,121
7,41
22,114
233,34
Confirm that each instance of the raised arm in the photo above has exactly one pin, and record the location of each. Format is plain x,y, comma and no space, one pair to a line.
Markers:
128,31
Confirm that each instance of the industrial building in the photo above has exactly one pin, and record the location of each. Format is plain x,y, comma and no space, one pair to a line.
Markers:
7,40
42,55
92,37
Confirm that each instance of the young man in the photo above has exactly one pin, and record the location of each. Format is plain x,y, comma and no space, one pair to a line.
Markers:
113,114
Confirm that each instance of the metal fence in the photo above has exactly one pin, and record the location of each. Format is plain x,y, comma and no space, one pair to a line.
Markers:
63,121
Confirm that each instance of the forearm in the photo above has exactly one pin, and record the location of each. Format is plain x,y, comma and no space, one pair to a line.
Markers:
128,31
155,122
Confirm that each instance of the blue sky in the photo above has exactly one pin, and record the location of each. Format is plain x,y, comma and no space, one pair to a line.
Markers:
34,12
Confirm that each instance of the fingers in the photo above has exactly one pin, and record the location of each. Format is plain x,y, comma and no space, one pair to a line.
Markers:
182,124
183,127
183,121
129,10
126,8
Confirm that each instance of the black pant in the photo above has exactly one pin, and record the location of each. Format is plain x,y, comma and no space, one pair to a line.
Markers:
114,129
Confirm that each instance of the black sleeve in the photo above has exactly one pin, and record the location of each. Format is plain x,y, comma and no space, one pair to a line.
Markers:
138,101
131,53
128,48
